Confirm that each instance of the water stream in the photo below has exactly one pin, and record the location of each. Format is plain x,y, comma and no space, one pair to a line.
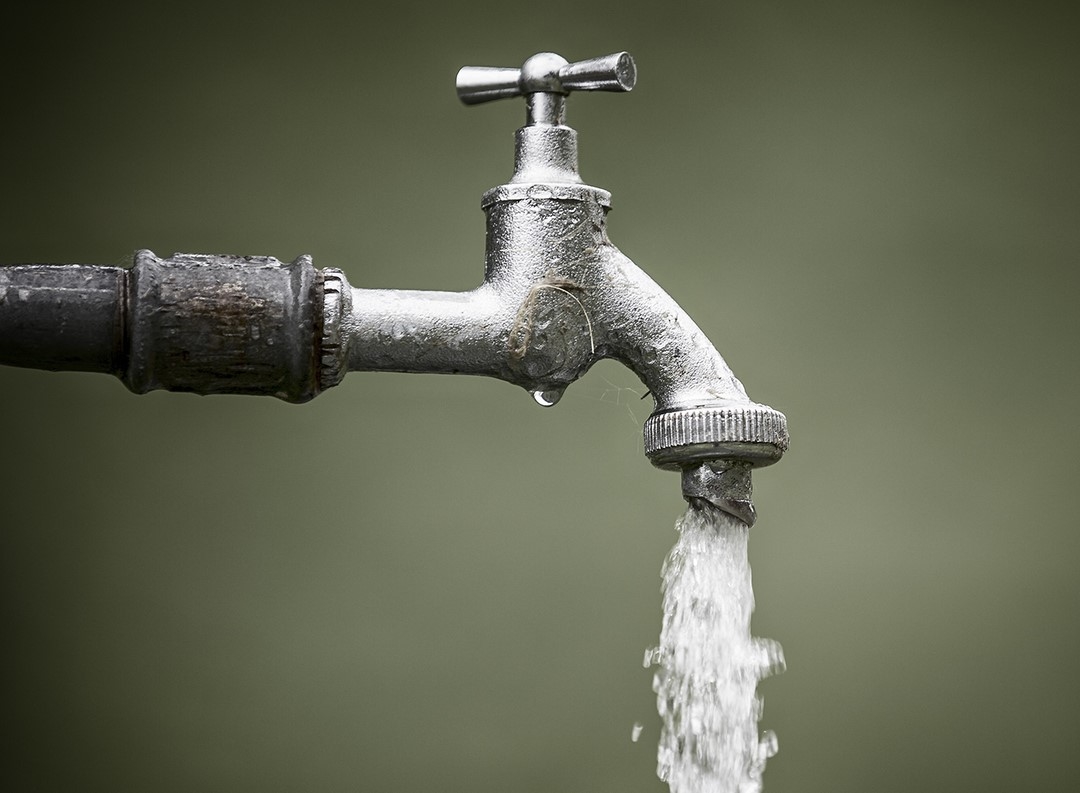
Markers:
707,663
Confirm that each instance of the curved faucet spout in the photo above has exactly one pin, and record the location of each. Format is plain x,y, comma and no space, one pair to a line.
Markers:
702,411
651,334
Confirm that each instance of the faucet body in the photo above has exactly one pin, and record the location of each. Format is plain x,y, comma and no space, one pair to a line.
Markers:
557,296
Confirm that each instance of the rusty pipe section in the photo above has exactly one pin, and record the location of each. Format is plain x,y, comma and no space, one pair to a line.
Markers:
201,323
67,317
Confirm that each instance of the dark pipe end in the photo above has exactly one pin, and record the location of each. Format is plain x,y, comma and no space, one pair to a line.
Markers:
726,484
62,317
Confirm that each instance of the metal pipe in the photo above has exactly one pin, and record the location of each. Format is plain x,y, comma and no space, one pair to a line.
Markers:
68,317
206,324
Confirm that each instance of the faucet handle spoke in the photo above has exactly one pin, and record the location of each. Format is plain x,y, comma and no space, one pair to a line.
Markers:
615,72
546,73
476,84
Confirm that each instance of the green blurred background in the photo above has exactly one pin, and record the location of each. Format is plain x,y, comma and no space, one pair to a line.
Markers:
421,583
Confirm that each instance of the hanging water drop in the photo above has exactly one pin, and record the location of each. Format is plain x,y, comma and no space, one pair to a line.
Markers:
547,398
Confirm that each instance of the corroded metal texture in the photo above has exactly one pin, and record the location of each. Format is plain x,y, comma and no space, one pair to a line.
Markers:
63,317
224,324
726,484
206,324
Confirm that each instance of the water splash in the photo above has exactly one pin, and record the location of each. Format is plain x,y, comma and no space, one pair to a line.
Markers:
708,664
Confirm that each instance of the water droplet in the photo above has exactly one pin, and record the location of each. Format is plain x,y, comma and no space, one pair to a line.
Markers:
769,745
547,398
635,733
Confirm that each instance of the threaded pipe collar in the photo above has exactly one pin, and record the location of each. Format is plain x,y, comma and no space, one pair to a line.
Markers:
336,303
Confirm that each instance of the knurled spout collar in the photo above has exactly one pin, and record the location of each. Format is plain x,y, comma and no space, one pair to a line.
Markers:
677,437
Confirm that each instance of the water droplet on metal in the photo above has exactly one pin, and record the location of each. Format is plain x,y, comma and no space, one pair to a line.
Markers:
547,398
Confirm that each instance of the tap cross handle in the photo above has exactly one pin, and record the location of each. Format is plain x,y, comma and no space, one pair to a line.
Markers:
549,75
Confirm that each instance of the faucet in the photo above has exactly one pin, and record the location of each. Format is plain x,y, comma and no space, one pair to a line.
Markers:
557,297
